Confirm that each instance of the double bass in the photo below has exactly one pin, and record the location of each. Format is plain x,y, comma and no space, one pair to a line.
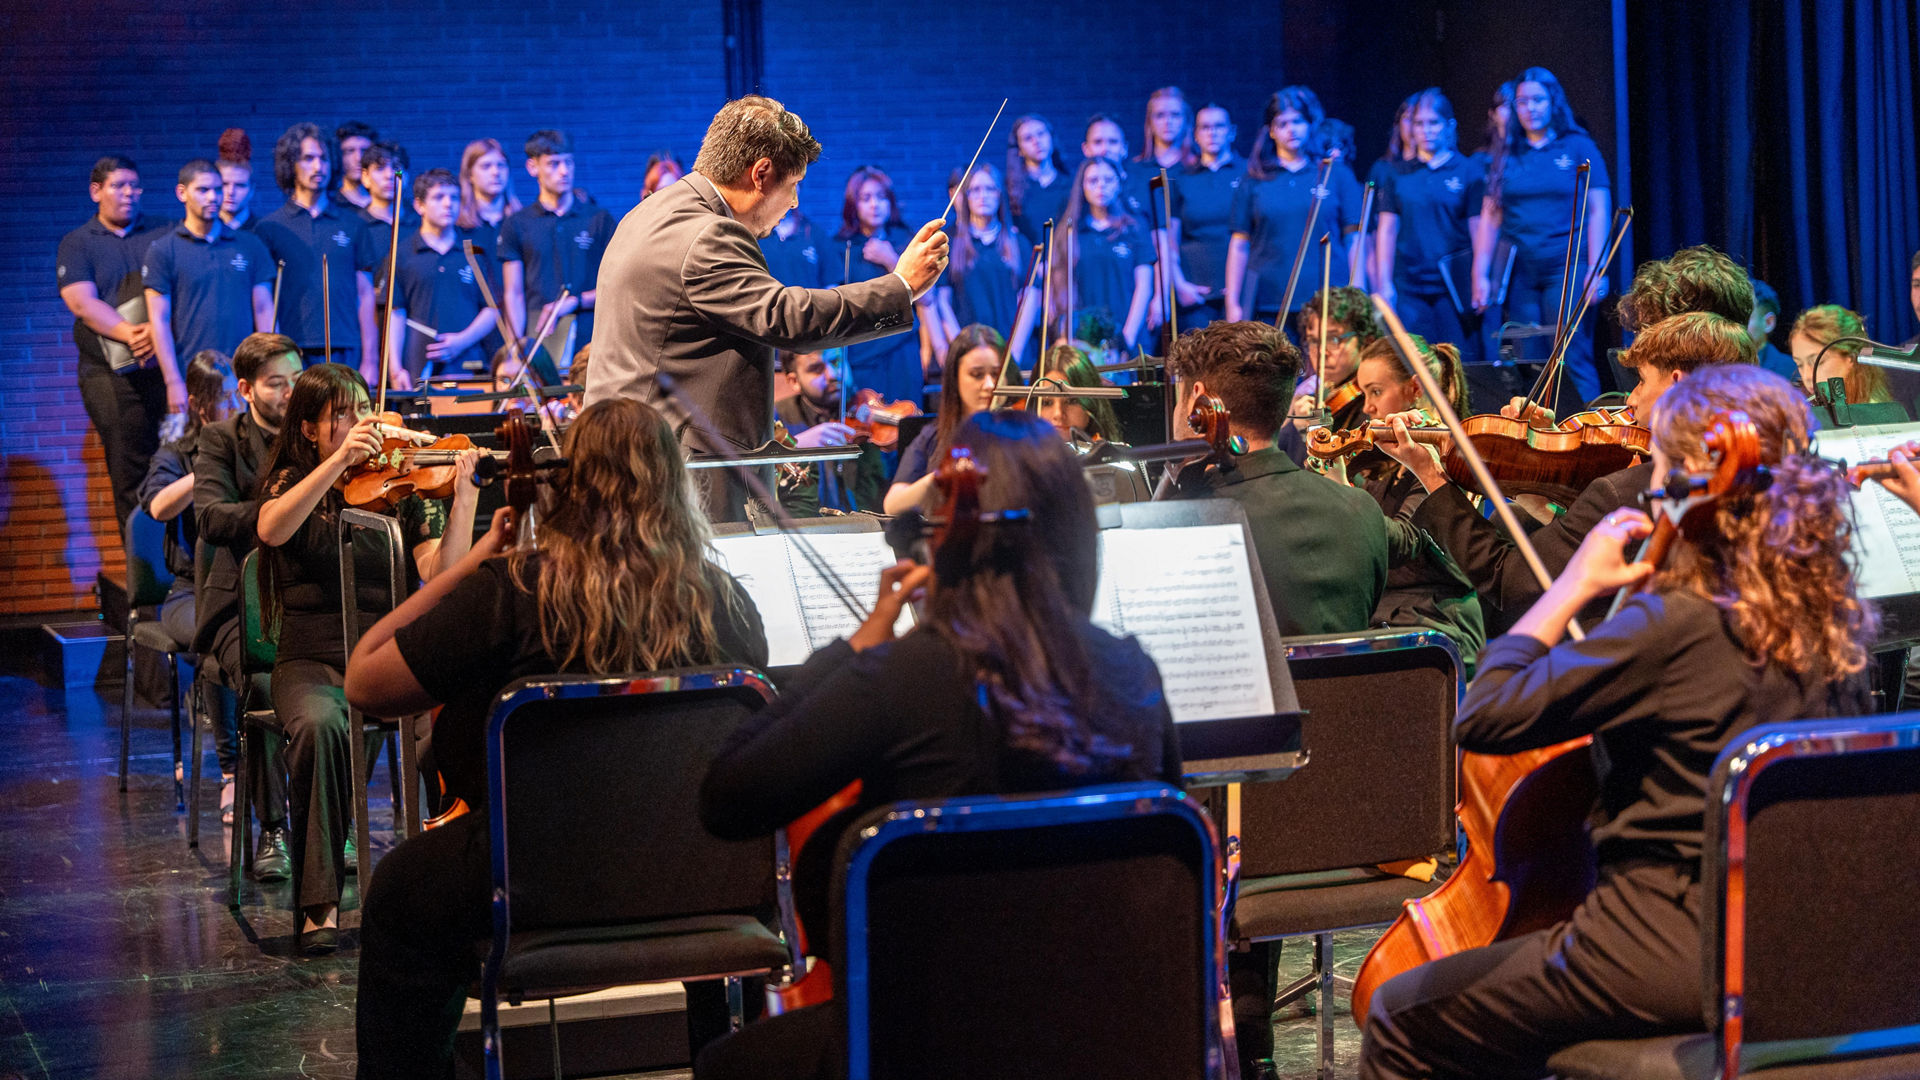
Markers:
1529,860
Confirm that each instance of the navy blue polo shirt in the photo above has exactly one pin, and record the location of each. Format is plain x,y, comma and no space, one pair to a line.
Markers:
1433,203
1036,205
1203,204
1272,214
298,238
440,291
1103,267
558,251
890,364
800,259
112,263
988,290
1536,194
209,284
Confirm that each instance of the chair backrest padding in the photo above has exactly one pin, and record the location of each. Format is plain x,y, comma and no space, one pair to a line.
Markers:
1378,783
148,578
602,811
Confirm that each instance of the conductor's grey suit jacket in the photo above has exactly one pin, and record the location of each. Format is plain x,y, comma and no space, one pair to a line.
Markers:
684,289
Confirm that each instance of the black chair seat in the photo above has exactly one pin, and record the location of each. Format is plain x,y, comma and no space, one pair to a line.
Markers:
151,634
1693,1057
553,963
1271,908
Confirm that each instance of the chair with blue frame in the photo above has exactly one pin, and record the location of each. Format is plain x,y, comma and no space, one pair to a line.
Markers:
148,582
603,874
1808,885
1068,934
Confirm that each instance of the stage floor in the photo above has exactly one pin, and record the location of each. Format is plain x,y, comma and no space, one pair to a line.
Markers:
119,958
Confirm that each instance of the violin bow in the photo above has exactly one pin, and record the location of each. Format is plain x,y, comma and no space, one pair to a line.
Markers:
1173,309
280,270
391,354
955,197
512,340
1300,253
1617,234
1320,357
1046,291
1549,378
1356,268
326,307
671,396
1068,282
1437,397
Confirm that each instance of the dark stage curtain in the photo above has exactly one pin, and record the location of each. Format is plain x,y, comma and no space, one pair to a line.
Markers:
1783,132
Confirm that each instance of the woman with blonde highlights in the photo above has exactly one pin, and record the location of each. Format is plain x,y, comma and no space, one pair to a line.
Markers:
620,583
1756,622
1821,352
486,189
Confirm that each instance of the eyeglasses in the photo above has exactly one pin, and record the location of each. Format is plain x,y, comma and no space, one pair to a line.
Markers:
1313,340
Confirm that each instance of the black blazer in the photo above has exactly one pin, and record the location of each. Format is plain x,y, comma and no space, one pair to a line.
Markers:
226,475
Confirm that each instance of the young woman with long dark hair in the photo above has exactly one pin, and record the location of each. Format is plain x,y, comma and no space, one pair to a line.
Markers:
1428,210
987,278
1037,176
1112,254
872,235
1201,226
1271,208
622,581
1757,620
329,429
1082,419
1006,686
968,378
1530,203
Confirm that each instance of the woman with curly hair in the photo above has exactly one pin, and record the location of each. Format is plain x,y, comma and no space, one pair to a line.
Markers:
1756,622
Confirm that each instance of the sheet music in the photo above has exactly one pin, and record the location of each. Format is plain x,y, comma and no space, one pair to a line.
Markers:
799,609
1186,593
1886,538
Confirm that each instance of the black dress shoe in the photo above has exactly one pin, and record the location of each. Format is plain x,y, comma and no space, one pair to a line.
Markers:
320,941
270,860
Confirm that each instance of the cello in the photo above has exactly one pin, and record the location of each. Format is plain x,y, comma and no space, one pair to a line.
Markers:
1529,861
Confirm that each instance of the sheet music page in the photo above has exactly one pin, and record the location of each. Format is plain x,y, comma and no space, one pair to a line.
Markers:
798,607
1187,594
1886,539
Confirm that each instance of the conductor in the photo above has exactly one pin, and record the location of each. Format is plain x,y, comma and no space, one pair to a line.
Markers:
684,291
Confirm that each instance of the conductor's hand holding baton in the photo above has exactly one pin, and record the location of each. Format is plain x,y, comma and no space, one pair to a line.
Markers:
926,256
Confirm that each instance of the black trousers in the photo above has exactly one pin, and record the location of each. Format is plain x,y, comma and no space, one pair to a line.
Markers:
126,411
422,914
311,701
1627,965
805,1044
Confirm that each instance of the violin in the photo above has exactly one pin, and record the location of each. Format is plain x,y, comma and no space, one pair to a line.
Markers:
404,466
877,420
1529,859
1556,462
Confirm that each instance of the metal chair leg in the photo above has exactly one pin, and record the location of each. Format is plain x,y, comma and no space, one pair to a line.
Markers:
357,749
195,701
242,814
736,1003
179,769
553,1039
1323,960
126,703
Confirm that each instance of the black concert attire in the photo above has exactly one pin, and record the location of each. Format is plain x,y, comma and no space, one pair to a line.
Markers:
1425,587
125,407
430,902
1433,203
227,464
299,238
904,719
1493,562
987,291
916,460
309,671
890,364
1322,545
1272,214
859,484
1663,687
1203,205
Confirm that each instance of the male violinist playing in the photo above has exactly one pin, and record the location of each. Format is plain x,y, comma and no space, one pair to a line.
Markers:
812,418
684,290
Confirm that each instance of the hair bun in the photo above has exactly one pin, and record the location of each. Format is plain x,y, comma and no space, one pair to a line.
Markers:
235,146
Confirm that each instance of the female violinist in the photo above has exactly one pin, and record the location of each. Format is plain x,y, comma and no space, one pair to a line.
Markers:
1006,686
967,382
1756,621
1082,420
620,582
330,429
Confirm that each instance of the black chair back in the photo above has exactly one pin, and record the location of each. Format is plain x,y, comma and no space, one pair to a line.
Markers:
148,578
1379,781
1811,853
595,790
1066,935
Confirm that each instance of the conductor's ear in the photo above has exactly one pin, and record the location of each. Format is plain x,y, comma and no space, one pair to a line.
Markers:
765,176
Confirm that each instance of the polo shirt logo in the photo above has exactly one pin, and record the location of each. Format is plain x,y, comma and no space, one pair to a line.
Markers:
1321,191
1122,251
812,256
1456,185
341,239
239,262
583,240
466,275
1564,162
